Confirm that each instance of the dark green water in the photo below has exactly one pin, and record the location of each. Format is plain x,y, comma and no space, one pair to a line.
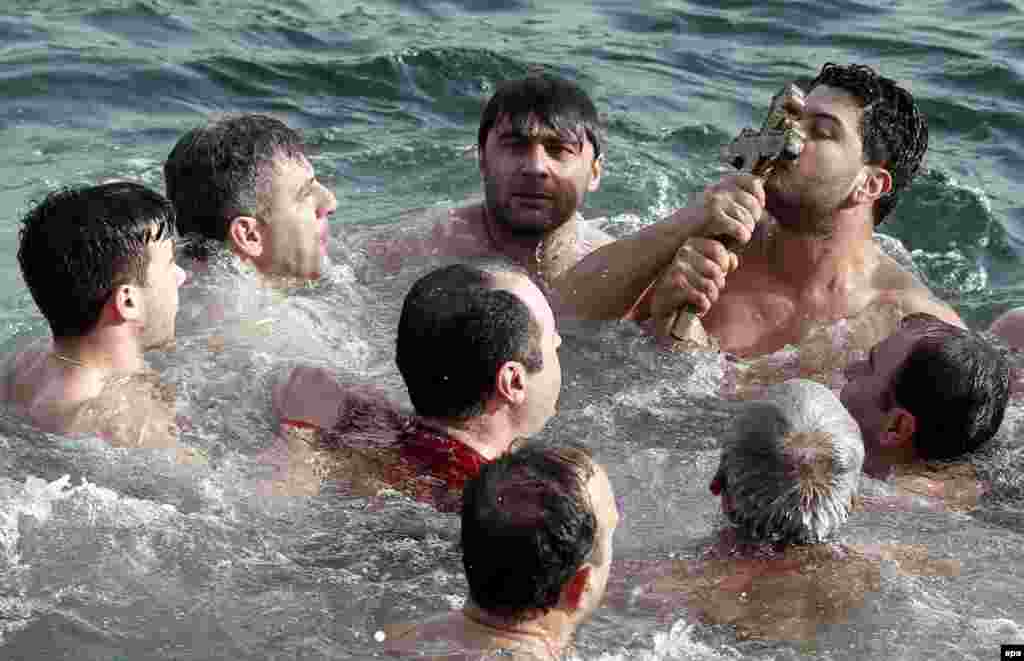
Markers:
155,563
390,93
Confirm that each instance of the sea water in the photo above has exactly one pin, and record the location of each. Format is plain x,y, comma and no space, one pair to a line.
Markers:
109,553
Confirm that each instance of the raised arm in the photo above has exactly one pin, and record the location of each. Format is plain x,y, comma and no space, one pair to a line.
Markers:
614,281
606,283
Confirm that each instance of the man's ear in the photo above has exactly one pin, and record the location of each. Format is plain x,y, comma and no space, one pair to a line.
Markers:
577,587
717,482
876,182
126,303
510,382
898,429
245,234
596,168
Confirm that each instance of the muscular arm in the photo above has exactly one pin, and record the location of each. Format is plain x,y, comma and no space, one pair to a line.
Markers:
610,282
606,283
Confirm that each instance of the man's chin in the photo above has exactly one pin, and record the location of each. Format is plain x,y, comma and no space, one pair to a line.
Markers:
160,345
527,224
797,219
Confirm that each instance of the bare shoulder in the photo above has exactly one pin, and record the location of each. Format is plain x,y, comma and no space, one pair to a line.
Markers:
429,232
590,236
136,410
20,368
898,286
1009,327
34,388
438,637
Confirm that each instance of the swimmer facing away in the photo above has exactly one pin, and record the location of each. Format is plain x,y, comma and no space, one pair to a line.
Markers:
787,479
537,528
99,262
478,351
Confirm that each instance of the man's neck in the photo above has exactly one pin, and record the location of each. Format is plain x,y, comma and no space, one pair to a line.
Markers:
486,436
546,255
105,350
247,267
545,636
810,261
885,462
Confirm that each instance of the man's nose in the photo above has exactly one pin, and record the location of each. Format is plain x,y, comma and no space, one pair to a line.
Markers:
328,202
535,159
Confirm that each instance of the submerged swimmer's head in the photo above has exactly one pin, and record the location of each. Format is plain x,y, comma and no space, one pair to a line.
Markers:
930,390
791,466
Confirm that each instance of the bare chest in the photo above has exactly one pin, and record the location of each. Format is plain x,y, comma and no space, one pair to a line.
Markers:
758,313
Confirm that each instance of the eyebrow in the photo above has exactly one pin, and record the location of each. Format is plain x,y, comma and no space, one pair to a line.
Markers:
540,134
821,114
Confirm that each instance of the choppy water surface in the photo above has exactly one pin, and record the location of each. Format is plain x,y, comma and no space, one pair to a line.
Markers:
136,557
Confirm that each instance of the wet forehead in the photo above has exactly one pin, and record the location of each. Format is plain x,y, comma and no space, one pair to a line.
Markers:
535,129
289,174
826,102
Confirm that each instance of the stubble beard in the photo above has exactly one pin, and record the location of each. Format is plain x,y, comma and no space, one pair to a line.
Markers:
563,209
800,212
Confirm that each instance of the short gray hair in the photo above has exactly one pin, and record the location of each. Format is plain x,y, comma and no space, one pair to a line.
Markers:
792,464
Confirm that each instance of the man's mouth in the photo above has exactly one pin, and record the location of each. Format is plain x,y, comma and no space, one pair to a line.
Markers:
529,197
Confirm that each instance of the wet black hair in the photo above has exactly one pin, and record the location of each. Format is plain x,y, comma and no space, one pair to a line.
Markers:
955,383
220,171
79,244
528,525
893,128
456,329
554,102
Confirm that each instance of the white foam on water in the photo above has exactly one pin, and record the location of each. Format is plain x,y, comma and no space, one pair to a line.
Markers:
997,631
676,644
33,499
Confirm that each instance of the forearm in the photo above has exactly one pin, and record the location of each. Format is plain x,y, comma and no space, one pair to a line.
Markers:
606,283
